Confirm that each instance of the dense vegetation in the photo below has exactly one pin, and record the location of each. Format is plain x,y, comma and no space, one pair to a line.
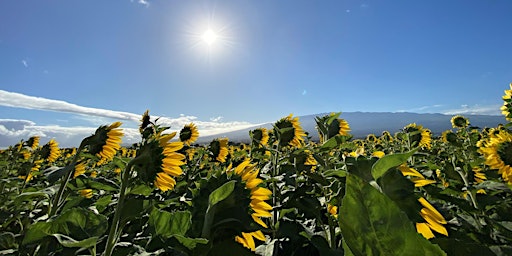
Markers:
406,193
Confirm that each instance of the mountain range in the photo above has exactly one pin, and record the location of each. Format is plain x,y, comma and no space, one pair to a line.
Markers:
364,123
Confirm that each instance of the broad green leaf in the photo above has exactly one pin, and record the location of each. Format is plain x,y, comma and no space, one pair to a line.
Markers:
372,224
335,173
67,241
389,161
332,143
77,223
30,196
221,193
167,224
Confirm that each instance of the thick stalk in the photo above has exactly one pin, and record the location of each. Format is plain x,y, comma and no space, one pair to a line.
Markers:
57,199
113,234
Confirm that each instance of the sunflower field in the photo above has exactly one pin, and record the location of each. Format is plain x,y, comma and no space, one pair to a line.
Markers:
406,193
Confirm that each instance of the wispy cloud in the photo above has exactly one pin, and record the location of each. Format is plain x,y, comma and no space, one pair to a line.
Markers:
12,130
475,110
430,108
143,2
18,100
25,63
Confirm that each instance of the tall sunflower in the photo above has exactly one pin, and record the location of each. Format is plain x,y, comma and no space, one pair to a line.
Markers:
219,149
79,169
189,134
260,136
497,151
506,109
290,131
105,142
419,136
434,220
259,208
50,151
160,162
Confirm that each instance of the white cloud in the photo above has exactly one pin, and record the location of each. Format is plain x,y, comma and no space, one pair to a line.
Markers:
216,119
143,2
423,109
25,63
475,110
12,130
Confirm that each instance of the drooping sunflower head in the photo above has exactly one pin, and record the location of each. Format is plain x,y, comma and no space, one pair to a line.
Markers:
330,125
219,149
506,109
459,121
160,162
189,134
50,151
449,136
105,142
33,142
260,136
497,151
418,136
258,207
290,132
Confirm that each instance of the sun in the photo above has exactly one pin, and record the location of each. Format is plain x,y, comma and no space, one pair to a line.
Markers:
209,37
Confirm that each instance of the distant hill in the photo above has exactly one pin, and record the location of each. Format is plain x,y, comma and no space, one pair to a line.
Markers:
364,123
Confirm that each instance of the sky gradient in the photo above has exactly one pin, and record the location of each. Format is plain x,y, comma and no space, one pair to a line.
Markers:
67,67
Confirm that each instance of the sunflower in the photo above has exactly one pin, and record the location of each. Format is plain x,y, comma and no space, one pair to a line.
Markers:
161,161
219,149
416,177
386,136
33,142
260,136
86,193
259,208
418,135
478,175
290,131
35,167
497,151
506,109
144,121
50,151
449,136
79,169
433,218
333,210
189,134
459,121
105,142
378,154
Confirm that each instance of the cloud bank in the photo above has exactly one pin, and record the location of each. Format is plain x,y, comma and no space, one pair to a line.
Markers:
14,130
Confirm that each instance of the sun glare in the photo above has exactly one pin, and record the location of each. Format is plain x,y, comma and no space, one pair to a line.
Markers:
209,37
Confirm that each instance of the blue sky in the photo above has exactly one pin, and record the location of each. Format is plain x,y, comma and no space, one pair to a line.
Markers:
69,66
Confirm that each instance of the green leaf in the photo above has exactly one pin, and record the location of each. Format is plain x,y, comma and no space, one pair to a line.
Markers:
221,193
78,223
30,196
190,243
167,224
372,224
141,189
389,161
103,202
333,142
67,241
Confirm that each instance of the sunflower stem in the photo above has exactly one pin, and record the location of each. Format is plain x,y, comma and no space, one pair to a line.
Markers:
275,172
113,233
58,197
